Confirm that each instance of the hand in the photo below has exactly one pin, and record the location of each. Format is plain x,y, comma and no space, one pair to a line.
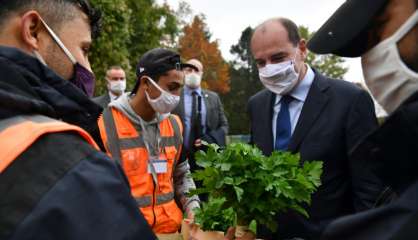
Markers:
190,216
198,143
230,235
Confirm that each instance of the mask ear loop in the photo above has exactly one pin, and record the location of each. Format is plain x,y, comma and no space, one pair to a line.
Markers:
59,42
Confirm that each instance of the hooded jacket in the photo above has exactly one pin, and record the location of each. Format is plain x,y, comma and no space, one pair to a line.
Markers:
60,188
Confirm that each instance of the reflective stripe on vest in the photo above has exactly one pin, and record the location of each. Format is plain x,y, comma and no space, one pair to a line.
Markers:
123,140
116,144
18,133
146,201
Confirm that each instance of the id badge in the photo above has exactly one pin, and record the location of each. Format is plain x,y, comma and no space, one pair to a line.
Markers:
160,166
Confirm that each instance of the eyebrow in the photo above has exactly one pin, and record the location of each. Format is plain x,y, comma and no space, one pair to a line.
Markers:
275,55
279,54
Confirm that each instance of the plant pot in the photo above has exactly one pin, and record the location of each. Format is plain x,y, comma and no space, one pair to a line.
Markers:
192,230
170,236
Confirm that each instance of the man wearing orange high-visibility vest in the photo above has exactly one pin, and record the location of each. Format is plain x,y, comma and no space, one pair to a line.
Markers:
54,183
139,132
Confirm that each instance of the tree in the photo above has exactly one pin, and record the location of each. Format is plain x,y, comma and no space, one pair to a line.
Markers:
195,43
329,65
245,81
130,28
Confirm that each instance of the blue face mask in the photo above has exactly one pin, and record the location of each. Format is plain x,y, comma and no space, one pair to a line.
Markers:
83,78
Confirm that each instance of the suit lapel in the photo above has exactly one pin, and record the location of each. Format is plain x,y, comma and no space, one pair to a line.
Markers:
265,123
181,106
205,97
315,102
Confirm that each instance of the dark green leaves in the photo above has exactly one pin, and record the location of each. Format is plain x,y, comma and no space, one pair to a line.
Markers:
215,216
254,187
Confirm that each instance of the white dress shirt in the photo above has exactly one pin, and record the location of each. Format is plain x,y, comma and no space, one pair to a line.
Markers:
299,95
112,96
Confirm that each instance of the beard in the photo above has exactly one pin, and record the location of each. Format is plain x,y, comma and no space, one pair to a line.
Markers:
56,60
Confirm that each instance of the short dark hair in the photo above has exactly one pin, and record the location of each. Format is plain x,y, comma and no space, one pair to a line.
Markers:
55,12
113,67
291,28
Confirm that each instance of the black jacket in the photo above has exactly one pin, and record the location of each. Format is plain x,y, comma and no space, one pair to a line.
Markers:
394,147
335,116
60,188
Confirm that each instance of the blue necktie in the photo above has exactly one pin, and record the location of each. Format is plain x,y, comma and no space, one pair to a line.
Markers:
283,126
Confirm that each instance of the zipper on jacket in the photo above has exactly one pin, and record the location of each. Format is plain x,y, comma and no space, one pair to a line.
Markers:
154,199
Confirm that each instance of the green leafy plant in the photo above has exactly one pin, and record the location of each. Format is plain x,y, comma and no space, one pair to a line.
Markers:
213,215
254,186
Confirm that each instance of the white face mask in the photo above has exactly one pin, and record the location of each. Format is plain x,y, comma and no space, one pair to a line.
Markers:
279,78
193,80
165,103
390,81
118,87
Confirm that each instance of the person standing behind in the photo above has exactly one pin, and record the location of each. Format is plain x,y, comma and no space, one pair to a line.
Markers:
384,34
302,111
201,112
139,132
116,86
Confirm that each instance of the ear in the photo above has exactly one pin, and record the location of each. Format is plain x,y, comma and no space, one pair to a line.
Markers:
144,83
31,26
303,49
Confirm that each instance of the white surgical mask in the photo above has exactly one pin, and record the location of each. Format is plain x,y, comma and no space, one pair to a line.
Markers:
279,78
389,79
193,80
165,103
117,87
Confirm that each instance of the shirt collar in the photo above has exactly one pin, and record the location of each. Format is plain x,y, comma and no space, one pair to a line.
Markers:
302,89
188,90
112,96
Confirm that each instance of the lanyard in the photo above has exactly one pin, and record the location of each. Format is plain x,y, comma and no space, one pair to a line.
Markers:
151,156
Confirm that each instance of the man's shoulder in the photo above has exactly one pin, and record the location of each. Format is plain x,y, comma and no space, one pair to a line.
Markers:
209,93
340,87
100,98
262,95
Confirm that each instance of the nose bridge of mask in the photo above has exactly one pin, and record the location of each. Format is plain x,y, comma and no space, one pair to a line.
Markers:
59,42
273,69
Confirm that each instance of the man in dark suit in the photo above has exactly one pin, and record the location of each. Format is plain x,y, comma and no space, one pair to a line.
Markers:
304,112
116,86
384,35
202,113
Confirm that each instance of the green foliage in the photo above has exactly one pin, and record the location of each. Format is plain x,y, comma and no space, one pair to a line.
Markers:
256,187
130,28
329,65
212,216
244,83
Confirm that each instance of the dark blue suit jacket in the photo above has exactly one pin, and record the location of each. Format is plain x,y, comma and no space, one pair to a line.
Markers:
335,116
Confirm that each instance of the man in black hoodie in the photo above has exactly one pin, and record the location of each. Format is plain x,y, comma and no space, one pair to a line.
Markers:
59,187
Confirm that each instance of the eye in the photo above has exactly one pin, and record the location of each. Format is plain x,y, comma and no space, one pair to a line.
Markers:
86,50
260,64
277,59
173,87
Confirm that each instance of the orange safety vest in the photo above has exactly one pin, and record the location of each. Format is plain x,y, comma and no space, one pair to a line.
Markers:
124,142
18,133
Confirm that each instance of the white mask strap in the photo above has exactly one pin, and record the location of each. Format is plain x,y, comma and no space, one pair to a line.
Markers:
59,42
406,27
155,84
